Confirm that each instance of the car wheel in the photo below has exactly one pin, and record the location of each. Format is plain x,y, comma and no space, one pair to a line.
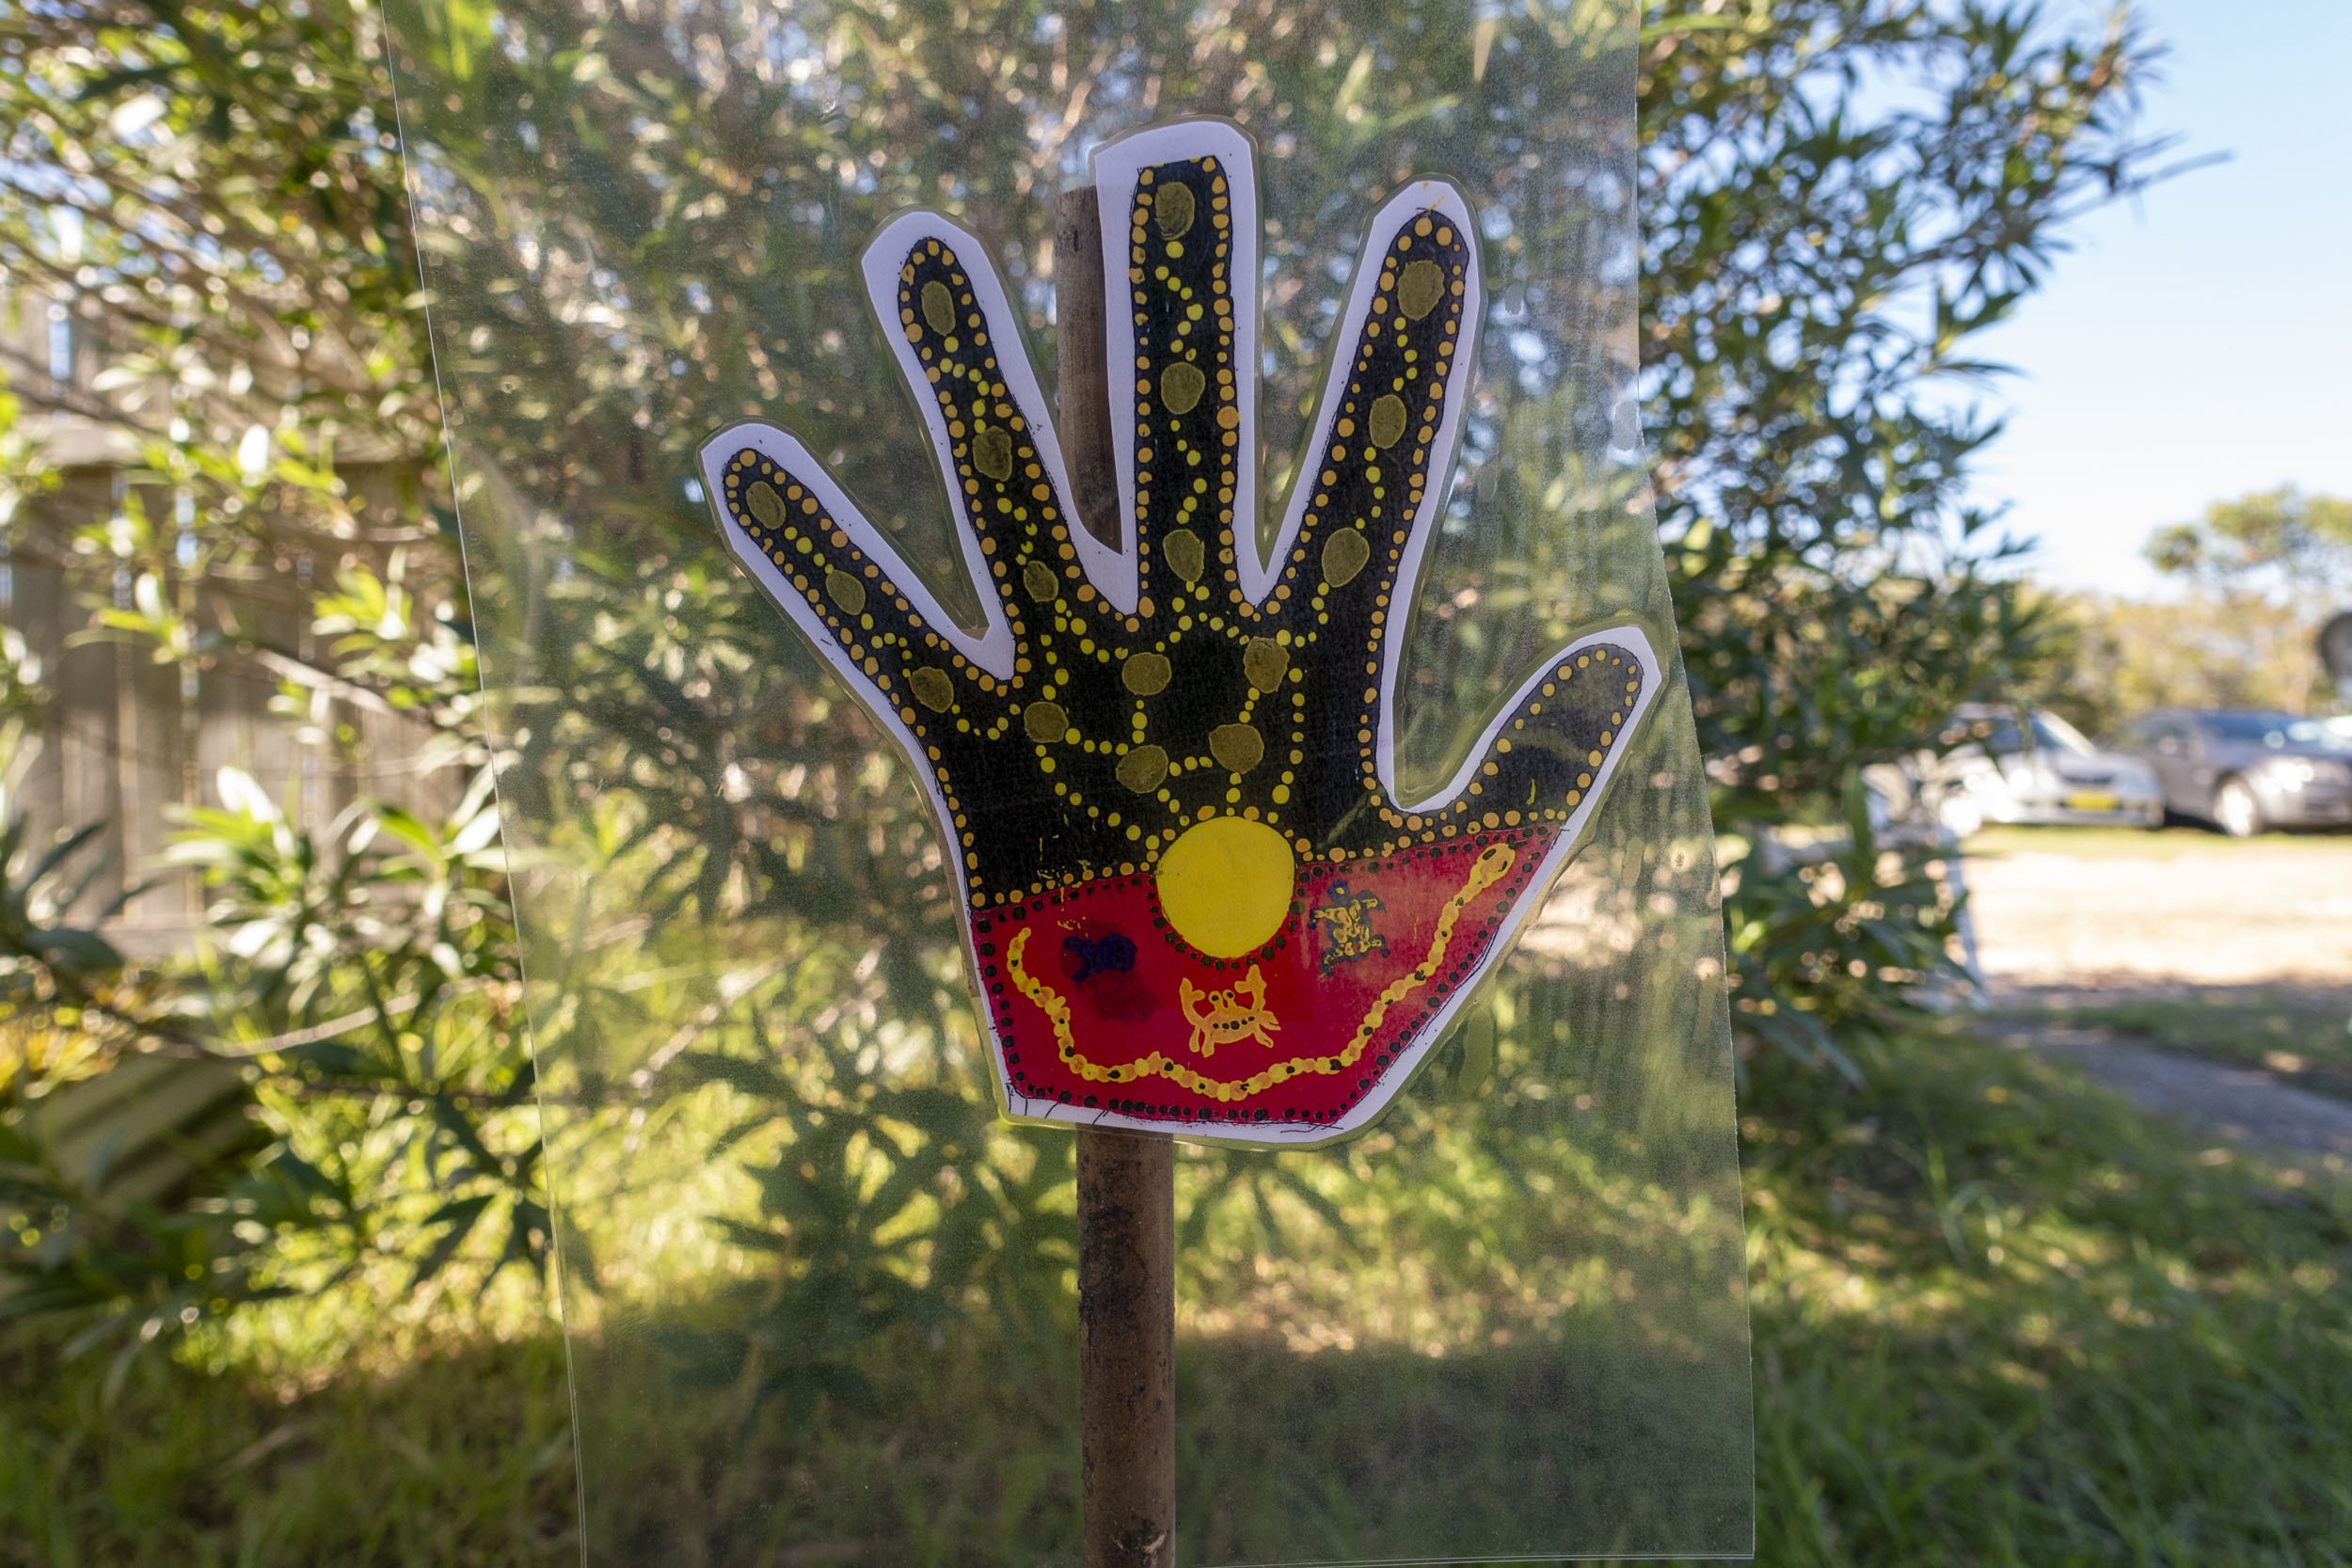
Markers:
2235,809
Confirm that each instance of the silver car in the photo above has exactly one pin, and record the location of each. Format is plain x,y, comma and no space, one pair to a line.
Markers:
2244,770
2011,764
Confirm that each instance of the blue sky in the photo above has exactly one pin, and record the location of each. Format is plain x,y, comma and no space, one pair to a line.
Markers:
2197,343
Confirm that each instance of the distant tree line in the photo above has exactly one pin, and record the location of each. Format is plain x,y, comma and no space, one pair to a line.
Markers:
2253,579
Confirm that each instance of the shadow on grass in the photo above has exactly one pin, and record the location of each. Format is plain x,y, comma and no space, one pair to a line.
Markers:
968,1455
2004,1319
2000,1320
462,1458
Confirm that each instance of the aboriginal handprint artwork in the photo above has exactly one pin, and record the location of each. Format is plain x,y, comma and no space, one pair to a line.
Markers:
1196,899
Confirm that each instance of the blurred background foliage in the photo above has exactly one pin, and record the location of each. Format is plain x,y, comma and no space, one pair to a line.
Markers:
1836,197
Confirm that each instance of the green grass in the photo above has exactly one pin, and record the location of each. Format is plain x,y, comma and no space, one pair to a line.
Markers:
2002,1319
460,1460
1999,1319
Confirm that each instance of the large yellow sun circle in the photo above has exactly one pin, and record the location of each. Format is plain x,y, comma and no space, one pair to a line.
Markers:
1226,885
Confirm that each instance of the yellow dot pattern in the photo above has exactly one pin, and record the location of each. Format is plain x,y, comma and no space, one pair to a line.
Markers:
1114,733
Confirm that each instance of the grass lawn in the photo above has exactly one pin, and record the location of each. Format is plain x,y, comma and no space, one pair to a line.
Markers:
2002,1319
1999,1319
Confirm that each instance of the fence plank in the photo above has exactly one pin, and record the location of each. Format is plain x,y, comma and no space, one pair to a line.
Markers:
124,742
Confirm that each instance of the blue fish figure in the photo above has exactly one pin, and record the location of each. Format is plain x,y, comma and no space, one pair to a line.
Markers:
1110,954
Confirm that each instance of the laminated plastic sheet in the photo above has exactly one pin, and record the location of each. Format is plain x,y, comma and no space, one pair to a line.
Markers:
1463,1285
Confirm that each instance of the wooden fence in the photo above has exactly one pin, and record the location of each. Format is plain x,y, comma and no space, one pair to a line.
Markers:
124,741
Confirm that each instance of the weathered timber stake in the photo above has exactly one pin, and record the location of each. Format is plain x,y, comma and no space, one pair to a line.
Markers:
1127,1347
1126,1180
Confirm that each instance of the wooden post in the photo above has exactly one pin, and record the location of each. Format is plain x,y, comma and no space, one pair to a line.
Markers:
1126,1180
1127,1347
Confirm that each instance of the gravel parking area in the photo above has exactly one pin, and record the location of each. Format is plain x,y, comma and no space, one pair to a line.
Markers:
2158,911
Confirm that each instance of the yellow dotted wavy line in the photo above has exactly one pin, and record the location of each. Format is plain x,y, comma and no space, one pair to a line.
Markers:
1492,864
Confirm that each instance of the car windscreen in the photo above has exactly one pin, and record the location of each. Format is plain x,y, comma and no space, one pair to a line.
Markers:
2056,734
2311,734
1995,733
2260,729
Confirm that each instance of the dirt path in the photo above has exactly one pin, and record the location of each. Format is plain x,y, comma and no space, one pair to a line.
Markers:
2074,919
2239,1104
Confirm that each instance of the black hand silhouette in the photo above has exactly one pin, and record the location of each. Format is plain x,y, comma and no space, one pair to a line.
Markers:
1185,715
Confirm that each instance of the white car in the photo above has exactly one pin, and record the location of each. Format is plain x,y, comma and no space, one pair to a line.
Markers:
2041,770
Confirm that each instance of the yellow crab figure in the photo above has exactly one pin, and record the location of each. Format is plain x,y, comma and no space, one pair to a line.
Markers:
1239,1014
